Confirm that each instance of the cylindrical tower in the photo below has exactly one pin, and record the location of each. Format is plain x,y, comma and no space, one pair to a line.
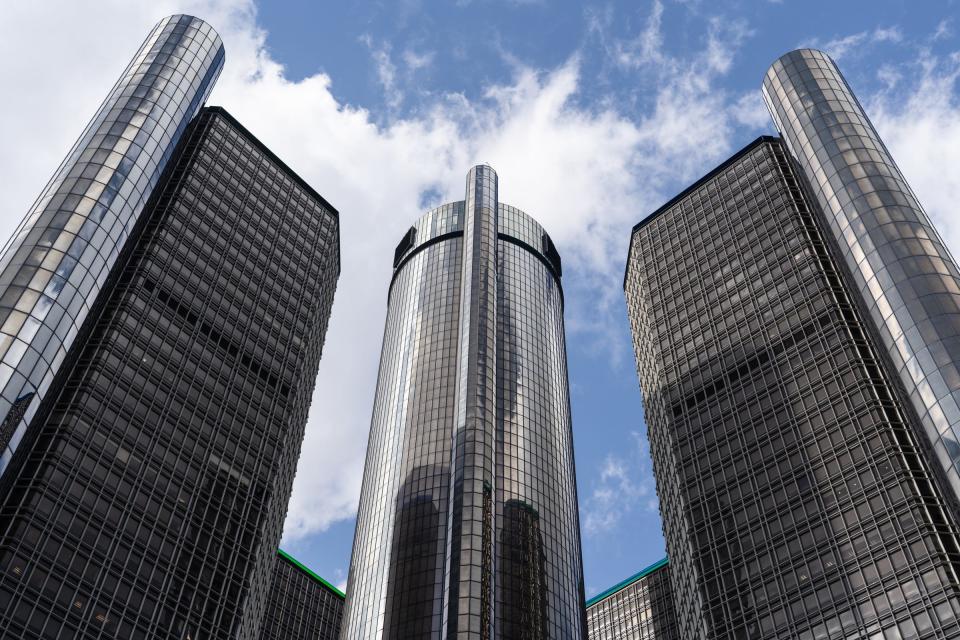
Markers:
60,256
906,277
468,523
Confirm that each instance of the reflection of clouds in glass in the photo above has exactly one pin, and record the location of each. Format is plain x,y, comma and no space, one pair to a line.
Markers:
904,273
107,177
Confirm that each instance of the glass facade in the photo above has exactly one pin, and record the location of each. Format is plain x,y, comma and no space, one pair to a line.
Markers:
797,500
902,270
302,605
150,502
468,524
639,608
62,252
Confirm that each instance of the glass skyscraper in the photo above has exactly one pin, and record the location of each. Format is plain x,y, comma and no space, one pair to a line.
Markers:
902,271
799,492
302,605
468,524
639,608
146,498
53,267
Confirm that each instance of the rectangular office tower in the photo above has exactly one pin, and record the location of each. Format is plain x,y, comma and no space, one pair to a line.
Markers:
148,497
302,605
797,495
639,608
58,259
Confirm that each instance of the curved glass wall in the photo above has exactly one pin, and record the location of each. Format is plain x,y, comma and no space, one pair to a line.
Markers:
539,590
903,271
60,256
398,553
468,523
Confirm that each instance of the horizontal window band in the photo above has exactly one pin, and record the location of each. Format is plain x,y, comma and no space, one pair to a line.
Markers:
459,234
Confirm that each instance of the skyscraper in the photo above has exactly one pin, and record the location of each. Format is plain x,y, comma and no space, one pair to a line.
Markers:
302,605
63,250
639,608
797,496
468,524
902,272
147,498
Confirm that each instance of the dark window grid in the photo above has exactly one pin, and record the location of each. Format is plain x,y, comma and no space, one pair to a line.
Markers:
269,268
872,469
185,371
183,251
215,337
184,288
805,446
172,363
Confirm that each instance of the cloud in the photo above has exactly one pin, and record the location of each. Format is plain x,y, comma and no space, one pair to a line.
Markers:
393,78
339,579
750,111
586,171
625,485
386,71
688,122
841,47
418,60
647,48
944,29
920,124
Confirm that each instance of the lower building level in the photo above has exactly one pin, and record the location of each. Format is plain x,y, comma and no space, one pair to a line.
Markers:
639,608
301,604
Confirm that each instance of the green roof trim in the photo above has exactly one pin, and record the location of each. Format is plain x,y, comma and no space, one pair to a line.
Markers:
299,565
620,586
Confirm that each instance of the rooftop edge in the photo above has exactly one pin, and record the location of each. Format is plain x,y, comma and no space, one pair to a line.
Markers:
299,565
266,150
764,139
620,586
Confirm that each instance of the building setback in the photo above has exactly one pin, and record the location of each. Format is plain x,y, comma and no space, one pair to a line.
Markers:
301,605
797,497
59,258
468,524
639,608
149,501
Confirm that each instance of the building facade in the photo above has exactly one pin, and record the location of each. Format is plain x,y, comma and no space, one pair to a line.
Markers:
797,497
302,605
468,523
902,271
149,501
639,608
58,259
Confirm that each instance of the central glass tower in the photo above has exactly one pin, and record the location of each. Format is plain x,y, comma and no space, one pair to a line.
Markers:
468,524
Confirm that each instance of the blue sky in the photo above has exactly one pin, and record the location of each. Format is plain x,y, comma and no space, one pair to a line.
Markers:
593,114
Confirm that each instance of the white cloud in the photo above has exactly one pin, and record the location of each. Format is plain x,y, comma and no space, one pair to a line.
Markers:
647,48
416,60
855,43
386,71
587,173
750,111
920,124
944,29
625,484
